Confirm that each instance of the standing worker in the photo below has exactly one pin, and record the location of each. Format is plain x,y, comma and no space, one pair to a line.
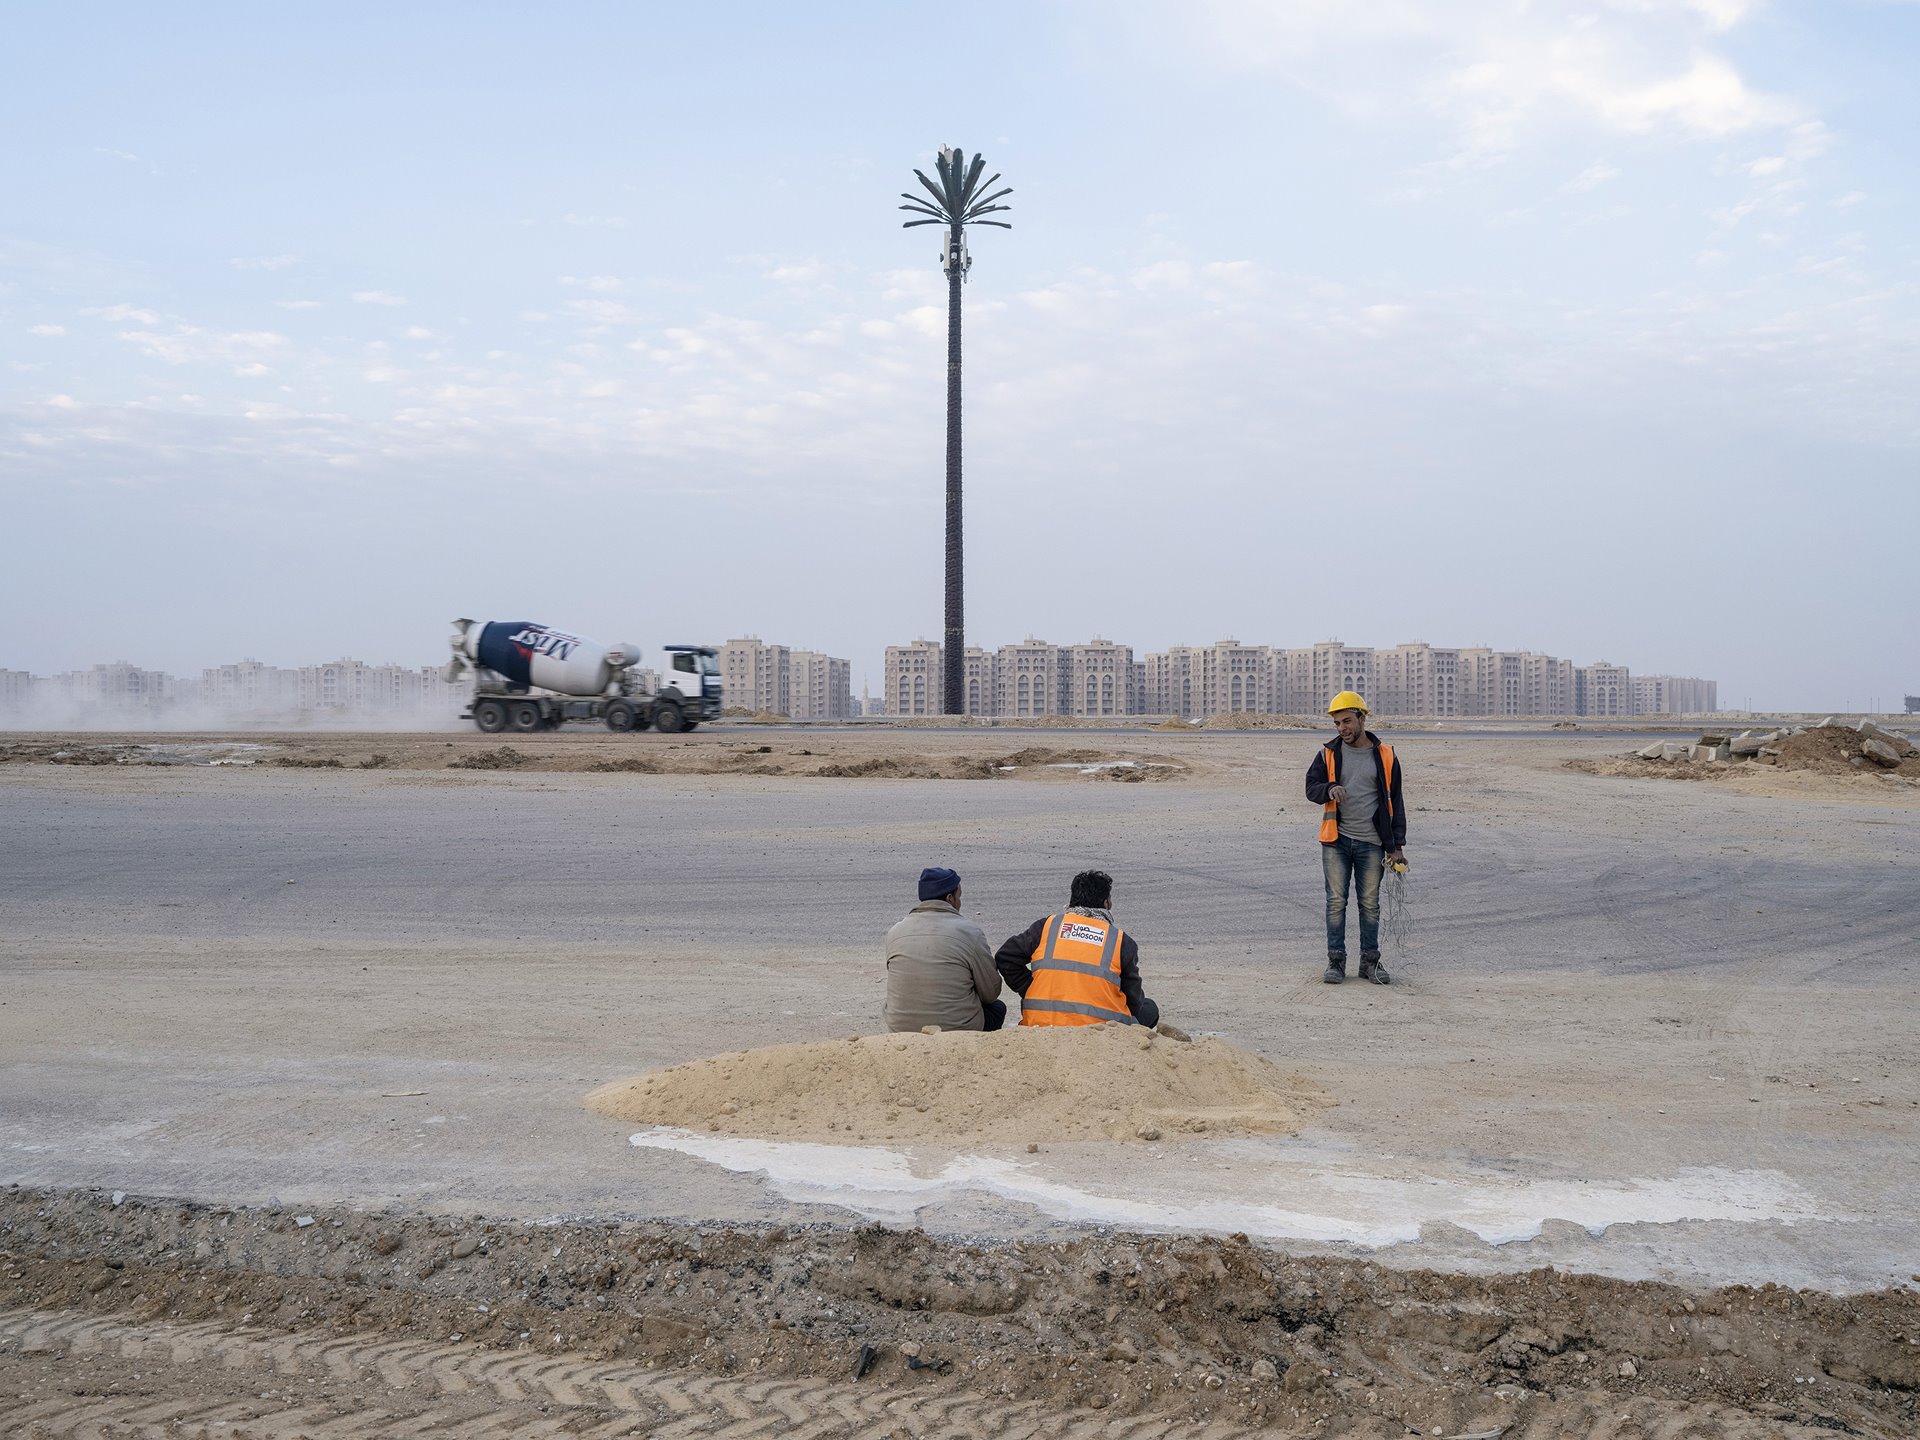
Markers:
1363,828
1078,967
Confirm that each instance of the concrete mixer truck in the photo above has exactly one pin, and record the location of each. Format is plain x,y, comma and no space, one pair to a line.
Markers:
530,677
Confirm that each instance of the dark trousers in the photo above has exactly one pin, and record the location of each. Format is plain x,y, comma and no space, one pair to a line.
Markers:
995,1012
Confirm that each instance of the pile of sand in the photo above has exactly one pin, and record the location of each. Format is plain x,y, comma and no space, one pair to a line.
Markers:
1016,1087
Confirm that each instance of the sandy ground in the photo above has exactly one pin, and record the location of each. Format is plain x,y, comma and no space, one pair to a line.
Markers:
1646,1030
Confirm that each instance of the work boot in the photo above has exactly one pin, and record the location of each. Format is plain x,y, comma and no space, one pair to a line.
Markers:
1336,969
1372,969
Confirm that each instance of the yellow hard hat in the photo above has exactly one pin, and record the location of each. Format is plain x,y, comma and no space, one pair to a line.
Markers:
1347,700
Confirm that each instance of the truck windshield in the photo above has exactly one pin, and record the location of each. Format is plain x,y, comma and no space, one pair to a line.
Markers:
709,665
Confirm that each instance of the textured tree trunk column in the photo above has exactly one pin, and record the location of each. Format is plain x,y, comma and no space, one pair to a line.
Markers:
954,655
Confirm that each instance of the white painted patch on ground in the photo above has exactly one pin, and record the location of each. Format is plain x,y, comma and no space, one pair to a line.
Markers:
1249,1188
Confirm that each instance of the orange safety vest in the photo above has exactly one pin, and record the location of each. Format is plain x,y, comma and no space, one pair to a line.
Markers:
1330,817
1076,974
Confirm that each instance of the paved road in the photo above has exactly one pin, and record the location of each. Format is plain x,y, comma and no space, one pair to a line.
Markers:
223,983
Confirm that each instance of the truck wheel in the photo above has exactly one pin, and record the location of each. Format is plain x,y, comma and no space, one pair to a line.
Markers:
691,725
619,716
666,718
490,716
527,717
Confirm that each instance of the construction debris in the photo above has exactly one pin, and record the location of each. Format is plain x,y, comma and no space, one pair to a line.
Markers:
1830,748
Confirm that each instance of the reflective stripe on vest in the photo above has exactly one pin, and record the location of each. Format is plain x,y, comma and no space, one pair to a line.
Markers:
1330,816
1076,974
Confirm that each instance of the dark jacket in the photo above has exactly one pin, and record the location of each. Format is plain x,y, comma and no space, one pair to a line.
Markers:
1015,957
1388,820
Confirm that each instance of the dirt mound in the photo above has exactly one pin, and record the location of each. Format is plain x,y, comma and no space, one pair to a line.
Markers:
1213,1333
503,758
1247,720
1016,1086
631,765
1041,755
1833,751
1837,750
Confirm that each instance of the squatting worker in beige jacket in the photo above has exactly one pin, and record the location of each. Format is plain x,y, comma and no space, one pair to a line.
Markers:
939,966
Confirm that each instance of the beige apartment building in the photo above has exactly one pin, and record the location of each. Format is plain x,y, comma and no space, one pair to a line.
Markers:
1603,689
819,687
802,684
1101,679
1410,679
1022,681
915,683
1674,695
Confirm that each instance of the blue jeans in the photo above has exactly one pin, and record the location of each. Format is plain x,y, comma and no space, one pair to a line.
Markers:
994,1012
1340,861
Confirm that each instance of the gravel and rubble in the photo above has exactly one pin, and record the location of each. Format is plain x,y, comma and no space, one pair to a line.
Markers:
1128,1323
1830,749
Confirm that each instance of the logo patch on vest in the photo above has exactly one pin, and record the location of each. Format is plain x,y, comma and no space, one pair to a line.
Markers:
1085,934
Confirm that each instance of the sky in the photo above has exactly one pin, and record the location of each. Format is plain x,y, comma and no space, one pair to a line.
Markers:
1587,328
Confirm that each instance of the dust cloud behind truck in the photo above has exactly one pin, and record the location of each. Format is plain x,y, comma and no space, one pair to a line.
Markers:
528,677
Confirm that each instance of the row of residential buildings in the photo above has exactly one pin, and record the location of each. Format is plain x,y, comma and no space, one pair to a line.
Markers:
802,684
1100,677
1030,679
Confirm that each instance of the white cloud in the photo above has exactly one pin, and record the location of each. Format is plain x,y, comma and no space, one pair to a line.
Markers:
262,262
376,297
190,345
417,332
1502,71
601,283
1594,176
118,314
46,330
1851,198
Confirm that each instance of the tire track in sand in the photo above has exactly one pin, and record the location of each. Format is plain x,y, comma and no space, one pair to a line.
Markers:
200,1381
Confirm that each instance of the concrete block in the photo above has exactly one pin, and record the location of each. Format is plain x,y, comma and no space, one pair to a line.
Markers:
1675,750
1655,751
1881,753
1747,744
1712,752
1824,723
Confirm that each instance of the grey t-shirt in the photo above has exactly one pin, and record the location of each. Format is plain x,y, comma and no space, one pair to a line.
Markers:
1360,773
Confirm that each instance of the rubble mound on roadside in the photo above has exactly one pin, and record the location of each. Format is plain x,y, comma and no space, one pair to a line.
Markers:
1828,748
961,1087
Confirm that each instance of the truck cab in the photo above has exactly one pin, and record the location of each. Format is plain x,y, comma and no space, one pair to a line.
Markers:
693,674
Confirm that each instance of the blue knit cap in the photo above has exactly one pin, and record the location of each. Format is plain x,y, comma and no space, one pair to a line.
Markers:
937,880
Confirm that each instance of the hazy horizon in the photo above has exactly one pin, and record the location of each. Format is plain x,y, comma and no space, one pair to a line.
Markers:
1584,329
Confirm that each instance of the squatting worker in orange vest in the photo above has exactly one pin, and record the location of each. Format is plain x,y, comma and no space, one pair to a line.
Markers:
1363,827
1078,967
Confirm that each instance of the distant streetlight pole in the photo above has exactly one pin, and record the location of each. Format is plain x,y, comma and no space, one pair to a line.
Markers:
959,200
